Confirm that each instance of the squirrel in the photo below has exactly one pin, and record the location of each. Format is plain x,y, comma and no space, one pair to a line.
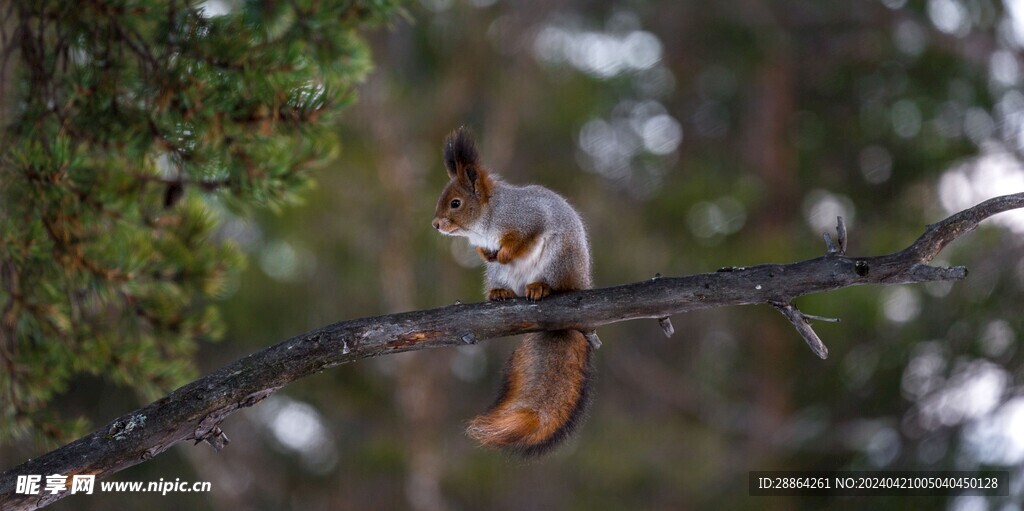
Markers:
533,243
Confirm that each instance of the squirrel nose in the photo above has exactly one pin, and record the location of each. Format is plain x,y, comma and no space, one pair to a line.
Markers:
437,224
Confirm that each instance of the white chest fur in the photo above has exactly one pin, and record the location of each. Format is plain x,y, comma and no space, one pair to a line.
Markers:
484,239
525,269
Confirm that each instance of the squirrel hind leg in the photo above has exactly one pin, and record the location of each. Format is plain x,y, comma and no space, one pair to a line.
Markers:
537,290
499,294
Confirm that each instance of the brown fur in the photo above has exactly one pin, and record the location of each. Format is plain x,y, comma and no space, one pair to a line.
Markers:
498,294
514,244
544,395
537,290
470,183
463,164
489,256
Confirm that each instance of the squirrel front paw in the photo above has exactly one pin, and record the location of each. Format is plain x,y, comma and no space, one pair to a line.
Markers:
487,255
537,290
497,294
504,255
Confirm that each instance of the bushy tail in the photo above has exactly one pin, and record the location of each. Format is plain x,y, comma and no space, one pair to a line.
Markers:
544,395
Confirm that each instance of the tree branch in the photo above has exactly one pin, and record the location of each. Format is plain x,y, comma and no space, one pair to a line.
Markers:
196,410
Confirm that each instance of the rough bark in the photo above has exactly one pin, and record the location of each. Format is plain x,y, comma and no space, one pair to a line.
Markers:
195,411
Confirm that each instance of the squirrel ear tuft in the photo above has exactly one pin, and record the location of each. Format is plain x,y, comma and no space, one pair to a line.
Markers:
449,158
459,152
471,176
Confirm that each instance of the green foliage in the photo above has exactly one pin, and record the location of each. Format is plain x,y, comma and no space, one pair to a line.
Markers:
128,118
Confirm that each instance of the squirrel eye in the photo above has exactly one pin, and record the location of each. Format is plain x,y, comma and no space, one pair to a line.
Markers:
456,203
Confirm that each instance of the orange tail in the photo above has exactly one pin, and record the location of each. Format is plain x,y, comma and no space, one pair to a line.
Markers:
544,396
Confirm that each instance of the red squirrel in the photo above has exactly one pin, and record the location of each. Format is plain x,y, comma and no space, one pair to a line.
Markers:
534,244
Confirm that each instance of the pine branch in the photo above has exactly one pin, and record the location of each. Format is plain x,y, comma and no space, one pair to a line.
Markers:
196,410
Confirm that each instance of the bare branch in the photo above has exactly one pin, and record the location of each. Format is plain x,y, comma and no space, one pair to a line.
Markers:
802,324
841,234
666,326
821,318
838,248
830,246
938,235
196,410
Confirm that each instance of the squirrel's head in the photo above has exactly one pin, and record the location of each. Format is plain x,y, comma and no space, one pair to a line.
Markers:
465,198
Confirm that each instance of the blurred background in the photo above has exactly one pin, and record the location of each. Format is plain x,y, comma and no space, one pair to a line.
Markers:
691,135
